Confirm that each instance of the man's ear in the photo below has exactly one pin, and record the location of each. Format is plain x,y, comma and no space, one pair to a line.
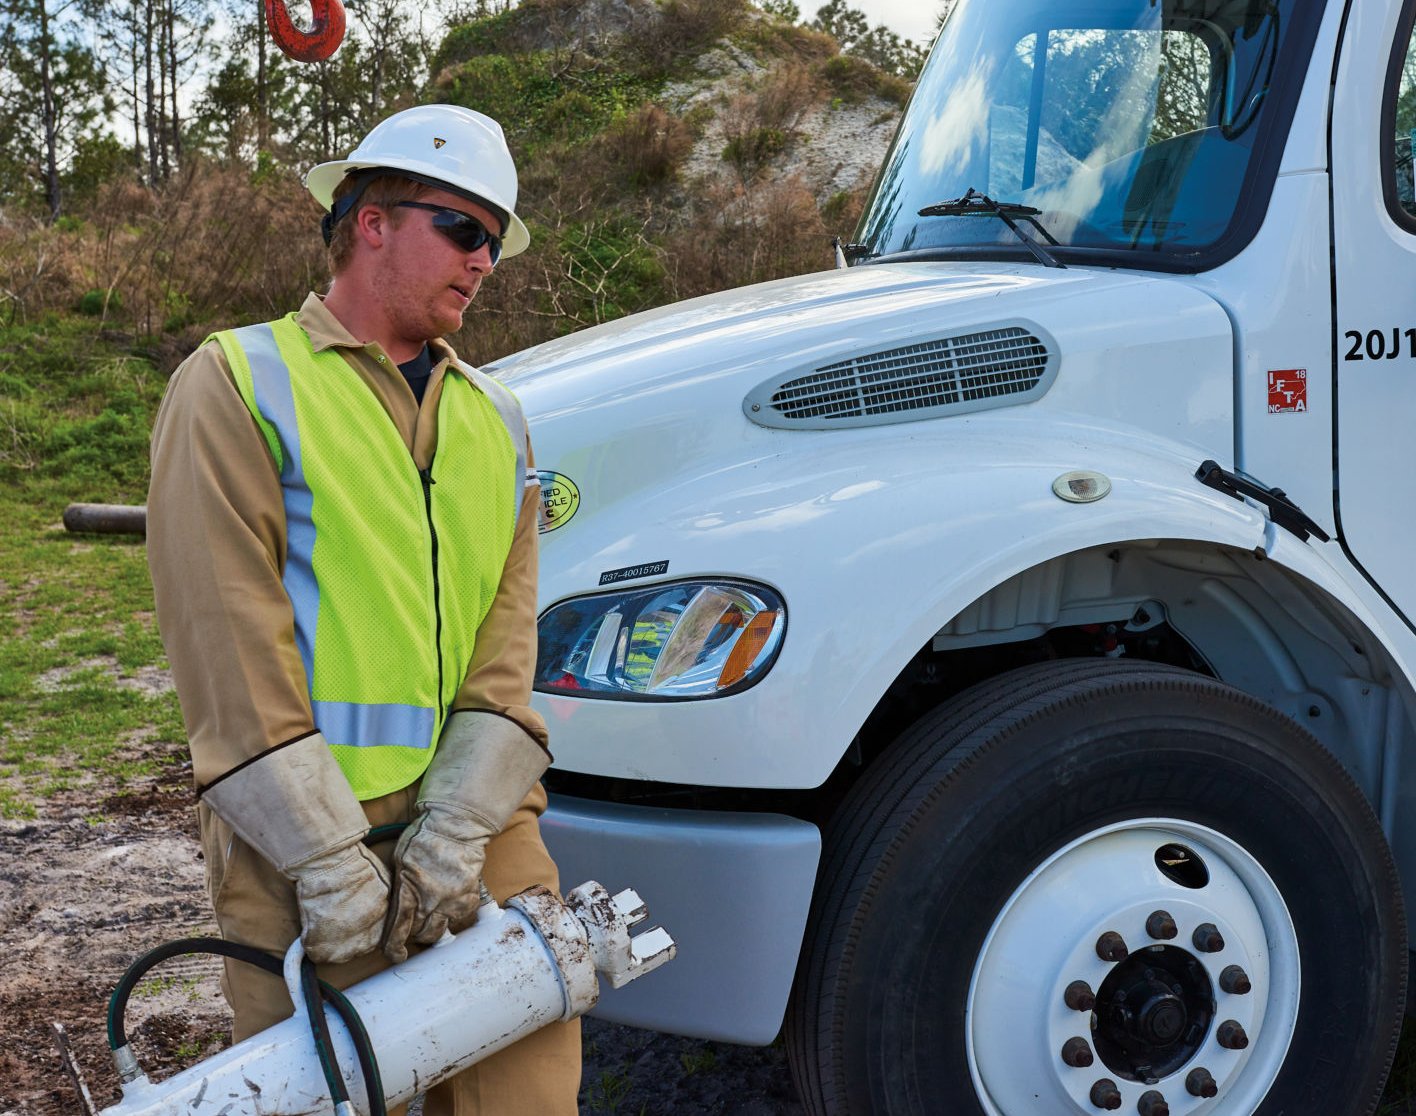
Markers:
371,224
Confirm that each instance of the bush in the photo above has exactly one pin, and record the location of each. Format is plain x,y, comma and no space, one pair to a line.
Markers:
513,91
749,150
97,303
648,146
854,79
685,28
744,235
786,96
110,446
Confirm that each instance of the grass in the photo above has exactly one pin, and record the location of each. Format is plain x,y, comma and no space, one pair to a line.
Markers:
76,611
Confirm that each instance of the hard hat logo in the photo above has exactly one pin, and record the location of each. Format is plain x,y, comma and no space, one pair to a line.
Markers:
469,156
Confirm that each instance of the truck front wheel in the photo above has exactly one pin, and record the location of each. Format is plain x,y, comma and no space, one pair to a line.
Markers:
1101,886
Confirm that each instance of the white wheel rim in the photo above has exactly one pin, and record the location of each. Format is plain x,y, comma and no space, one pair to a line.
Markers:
1045,937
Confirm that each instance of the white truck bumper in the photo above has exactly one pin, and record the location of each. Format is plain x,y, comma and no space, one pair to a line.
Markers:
735,888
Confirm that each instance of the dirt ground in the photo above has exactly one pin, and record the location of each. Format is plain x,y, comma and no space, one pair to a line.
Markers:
80,900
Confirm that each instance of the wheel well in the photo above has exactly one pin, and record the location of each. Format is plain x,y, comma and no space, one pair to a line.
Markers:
1229,614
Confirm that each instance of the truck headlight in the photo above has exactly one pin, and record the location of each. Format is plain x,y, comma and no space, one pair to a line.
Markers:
690,639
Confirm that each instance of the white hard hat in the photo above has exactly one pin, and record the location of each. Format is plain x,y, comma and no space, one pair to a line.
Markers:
443,145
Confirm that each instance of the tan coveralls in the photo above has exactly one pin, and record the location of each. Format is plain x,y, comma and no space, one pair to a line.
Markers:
216,547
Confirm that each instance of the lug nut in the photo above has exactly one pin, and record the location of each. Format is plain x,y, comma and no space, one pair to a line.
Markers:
1207,938
1076,1053
1104,1094
1152,1104
1161,926
1235,980
1231,1036
1079,996
1111,947
1199,1083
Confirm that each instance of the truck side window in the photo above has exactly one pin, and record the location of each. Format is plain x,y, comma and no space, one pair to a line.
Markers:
1402,165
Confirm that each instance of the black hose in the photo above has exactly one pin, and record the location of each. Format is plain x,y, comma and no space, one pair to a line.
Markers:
363,1048
313,988
319,1029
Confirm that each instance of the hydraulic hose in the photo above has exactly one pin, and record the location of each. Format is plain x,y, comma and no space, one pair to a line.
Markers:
314,990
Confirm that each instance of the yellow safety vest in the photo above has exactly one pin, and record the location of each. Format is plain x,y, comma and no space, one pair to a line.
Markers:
390,571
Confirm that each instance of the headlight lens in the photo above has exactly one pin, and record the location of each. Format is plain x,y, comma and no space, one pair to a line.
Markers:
692,639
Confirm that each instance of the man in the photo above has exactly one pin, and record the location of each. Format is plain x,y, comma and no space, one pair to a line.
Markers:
342,535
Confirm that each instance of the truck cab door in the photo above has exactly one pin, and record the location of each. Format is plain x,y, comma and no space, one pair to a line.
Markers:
1374,261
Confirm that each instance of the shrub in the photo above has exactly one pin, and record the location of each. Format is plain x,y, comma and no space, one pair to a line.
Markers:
786,96
854,79
745,234
685,28
749,149
648,146
570,116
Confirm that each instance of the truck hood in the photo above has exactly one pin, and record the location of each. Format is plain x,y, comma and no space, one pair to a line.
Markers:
826,312
633,409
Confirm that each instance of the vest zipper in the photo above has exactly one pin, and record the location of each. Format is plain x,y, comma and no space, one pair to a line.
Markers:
426,476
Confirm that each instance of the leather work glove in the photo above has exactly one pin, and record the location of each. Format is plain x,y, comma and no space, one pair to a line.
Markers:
295,807
481,772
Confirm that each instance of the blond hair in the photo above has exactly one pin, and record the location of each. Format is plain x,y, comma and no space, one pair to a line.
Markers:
382,190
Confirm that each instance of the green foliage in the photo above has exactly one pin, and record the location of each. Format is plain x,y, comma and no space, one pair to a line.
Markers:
51,84
700,1060
853,79
77,610
97,158
493,34
750,151
836,209
607,1092
783,9
537,101
71,408
648,146
96,302
611,269
878,45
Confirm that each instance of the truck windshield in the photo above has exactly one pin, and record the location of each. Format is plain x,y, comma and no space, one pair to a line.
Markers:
1134,127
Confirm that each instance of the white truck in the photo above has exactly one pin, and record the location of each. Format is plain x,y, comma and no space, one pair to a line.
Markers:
996,657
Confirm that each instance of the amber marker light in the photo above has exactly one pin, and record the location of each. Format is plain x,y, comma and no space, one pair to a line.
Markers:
749,646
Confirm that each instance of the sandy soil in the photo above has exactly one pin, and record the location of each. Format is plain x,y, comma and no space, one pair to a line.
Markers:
79,901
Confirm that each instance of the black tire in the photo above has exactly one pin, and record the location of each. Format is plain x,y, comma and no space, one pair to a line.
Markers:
950,821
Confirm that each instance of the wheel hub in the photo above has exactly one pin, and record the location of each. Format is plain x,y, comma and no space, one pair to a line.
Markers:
1153,1013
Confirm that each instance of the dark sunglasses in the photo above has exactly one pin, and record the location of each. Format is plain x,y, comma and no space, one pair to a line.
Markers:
462,229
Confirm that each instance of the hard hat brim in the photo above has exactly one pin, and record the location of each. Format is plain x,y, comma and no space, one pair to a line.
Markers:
323,180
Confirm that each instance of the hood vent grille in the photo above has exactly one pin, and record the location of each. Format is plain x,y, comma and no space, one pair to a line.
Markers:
997,367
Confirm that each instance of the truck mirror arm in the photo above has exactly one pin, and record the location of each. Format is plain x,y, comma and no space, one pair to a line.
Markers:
1281,509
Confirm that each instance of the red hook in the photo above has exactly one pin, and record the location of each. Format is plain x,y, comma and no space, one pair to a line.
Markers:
316,44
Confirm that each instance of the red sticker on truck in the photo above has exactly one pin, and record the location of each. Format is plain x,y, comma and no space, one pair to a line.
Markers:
1287,390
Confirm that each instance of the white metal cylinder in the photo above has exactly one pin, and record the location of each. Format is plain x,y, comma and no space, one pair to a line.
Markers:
517,969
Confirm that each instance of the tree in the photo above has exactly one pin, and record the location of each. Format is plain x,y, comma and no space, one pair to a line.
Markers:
782,9
878,45
52,89
152,46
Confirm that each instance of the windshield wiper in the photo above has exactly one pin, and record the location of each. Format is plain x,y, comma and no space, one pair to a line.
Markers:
974,204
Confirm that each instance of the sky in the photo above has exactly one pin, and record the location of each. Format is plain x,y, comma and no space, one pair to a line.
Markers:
914,19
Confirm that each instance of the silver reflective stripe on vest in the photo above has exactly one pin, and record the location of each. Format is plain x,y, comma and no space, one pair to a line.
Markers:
364,726
510,411
274,400
340,722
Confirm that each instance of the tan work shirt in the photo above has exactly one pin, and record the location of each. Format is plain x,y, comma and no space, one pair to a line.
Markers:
216,548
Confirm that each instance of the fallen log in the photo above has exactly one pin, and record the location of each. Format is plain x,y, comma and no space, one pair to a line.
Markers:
106,519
